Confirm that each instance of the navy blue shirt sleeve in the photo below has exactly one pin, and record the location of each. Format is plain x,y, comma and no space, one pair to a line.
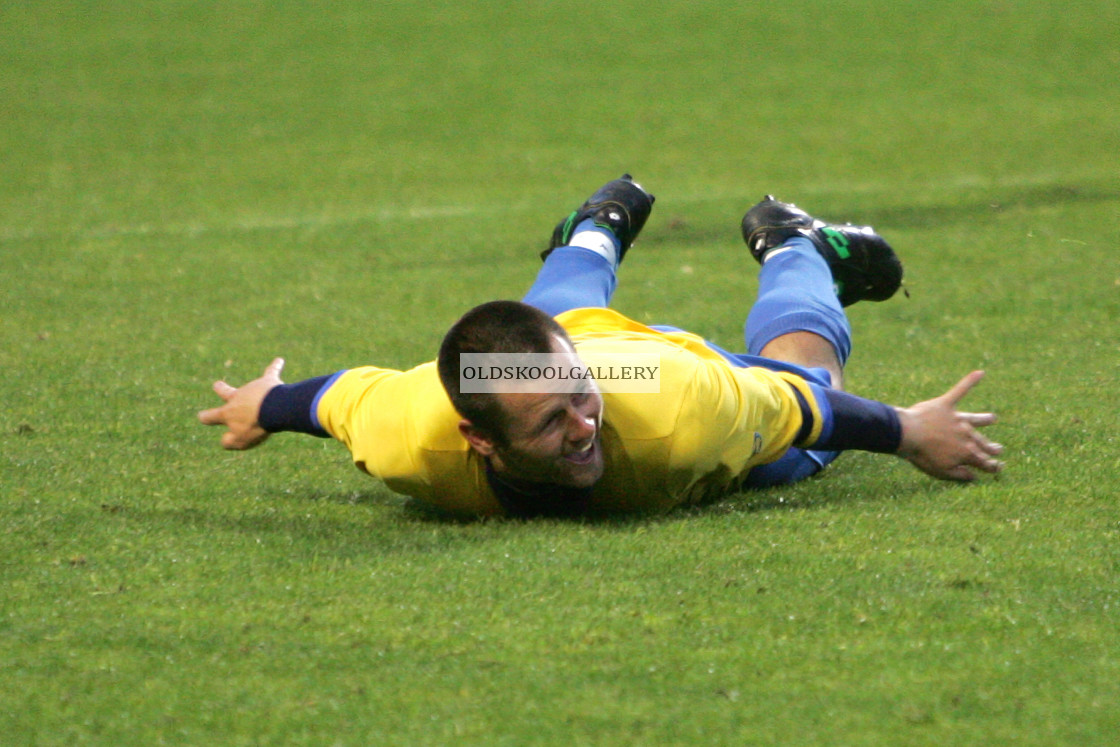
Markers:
850,422
291,407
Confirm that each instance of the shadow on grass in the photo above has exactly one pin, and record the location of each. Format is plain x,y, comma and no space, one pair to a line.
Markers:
381,519
749,502
986,203
845,483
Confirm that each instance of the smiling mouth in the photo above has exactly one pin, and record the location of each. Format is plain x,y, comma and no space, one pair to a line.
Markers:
583,457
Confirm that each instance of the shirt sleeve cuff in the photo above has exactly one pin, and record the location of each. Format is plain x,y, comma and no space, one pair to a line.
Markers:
856,423
291,407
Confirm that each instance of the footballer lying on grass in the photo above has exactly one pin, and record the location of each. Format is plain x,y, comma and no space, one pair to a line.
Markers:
539,443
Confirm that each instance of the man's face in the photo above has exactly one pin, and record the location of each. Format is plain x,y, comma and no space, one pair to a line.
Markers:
552,437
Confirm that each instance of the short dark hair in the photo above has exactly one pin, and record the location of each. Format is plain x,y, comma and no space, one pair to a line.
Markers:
493,327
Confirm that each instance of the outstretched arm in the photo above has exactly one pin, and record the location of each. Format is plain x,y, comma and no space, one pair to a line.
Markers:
944,442
933,435
241,412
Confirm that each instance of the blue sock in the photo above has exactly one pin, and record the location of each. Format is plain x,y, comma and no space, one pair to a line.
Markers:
796,294
576,277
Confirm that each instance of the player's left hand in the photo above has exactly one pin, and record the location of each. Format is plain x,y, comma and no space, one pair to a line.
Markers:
943,442
242,408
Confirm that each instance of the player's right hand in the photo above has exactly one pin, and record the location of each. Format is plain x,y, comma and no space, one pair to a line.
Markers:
242,408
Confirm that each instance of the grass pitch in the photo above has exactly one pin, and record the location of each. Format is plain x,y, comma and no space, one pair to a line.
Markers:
190,189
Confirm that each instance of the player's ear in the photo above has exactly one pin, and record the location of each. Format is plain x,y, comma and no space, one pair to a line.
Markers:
479,439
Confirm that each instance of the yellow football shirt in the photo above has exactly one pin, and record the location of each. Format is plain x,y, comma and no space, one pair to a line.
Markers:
691,442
